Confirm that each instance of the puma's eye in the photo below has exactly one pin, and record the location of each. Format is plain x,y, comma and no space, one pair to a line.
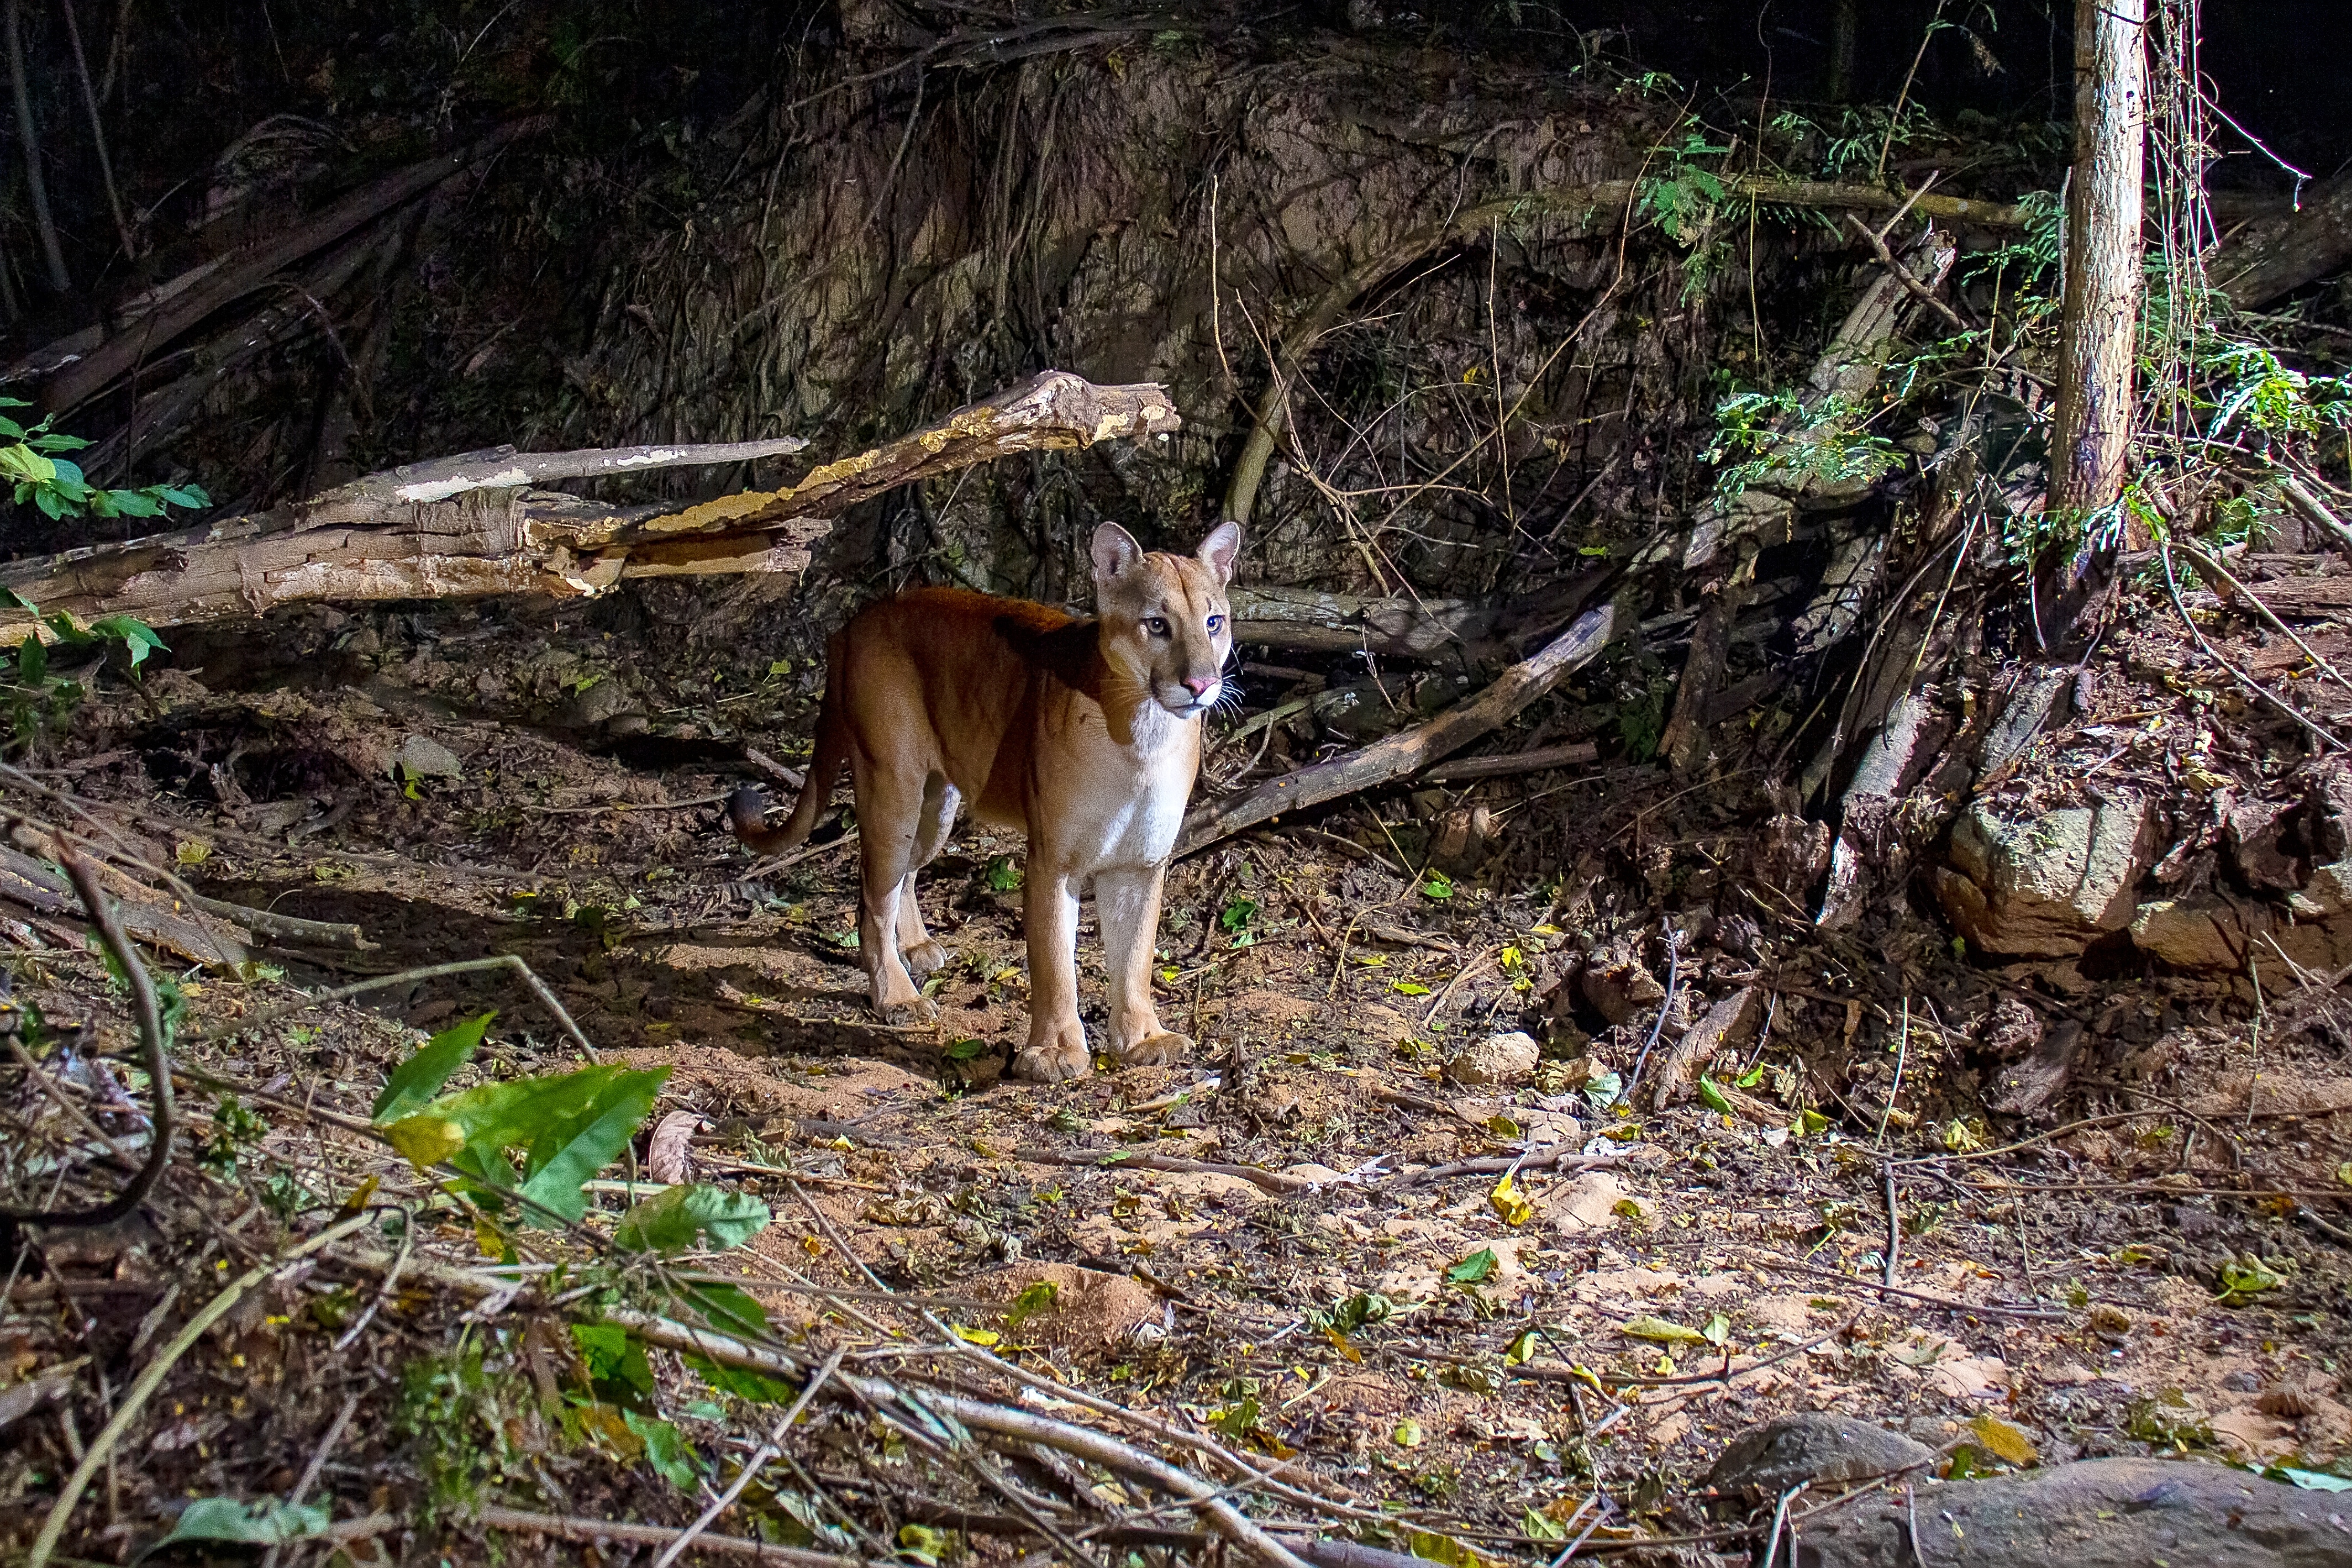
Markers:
1156,625
1215,622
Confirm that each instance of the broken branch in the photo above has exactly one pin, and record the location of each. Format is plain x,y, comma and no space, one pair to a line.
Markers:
465,527
1410,749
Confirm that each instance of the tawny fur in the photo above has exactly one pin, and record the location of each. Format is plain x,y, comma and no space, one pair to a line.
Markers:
1085,734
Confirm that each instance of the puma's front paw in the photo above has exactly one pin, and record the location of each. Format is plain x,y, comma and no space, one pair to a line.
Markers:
913,1010
1051,1063
1163,1049
925,957
1053,1055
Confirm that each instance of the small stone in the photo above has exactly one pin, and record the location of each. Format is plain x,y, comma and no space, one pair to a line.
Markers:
1826,1450
427,758
1506,1061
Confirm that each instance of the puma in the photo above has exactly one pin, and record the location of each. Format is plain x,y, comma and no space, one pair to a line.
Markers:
1085,734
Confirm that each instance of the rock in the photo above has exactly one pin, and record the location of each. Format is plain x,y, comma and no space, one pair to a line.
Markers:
2214,931
427,758
2023,1088
2251,833
1727,1024
2048,887
2014,1030
1764,1461
2097,1513
1617,985
1508,1061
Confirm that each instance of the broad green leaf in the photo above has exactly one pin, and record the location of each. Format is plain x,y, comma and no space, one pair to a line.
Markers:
735,1380
728,1309
420,1078
1712,1095
32,662
1717,1329
921,1543
1660,1330
667,1450
1408,1434
2309,1480
184,495
267,1523
572,1160
612,1356
1473,1269
672,1221
137,638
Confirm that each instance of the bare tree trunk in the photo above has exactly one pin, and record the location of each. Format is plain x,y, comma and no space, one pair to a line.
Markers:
2092,441
1845,22
28,134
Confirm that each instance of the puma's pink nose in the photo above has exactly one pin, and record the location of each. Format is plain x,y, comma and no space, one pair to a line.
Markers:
1197,684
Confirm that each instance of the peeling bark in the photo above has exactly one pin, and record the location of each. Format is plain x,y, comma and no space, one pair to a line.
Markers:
464,527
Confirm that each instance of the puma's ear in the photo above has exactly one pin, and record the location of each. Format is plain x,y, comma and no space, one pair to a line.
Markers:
1115,552
1222,549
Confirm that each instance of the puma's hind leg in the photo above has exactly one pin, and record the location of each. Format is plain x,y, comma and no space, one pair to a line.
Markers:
889,822
1127,904
923,954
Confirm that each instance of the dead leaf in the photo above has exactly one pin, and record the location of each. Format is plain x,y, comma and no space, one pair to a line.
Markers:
2004,1440
667,1157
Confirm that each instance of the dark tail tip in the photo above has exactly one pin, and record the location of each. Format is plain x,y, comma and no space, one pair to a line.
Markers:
747,810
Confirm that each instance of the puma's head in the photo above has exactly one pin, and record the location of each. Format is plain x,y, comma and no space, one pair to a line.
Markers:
1165,622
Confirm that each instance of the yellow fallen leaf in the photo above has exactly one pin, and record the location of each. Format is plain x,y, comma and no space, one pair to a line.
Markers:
1662,1331
1409,1434
2006,1442
425,1139
981,1337
1510,1203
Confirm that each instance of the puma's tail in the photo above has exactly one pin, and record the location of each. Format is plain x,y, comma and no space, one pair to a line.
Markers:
747,807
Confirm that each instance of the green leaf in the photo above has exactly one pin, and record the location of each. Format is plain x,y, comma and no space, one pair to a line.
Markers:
1473,1269
559,1165
1436,885
420,1078
674,1220
667,1449
965,1050
32,662
612,1356
2241,1278
184,495
1035,1299
267,1523
136,635
2309,1480
1237,914
11,599
728,1309
57,441
743,1385
1712,1095
126,503
1002,875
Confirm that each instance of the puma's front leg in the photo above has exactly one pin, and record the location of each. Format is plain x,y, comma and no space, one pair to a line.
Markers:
1058,1041
1127,902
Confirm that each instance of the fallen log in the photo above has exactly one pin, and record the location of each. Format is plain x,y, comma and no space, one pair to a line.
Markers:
1572,754
469,526
1407,750
1398,626
2270,260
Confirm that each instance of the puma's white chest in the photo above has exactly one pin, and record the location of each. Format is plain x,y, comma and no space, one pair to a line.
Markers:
1132,811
